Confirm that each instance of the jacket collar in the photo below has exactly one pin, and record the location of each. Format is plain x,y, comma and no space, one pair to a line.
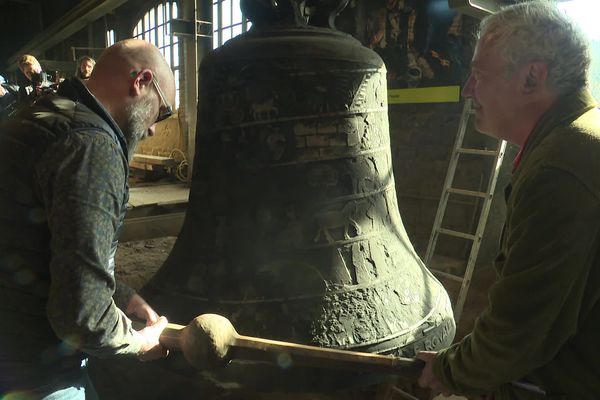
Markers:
75,90
567,109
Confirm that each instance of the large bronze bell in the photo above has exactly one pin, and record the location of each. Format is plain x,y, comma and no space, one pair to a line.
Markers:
293,230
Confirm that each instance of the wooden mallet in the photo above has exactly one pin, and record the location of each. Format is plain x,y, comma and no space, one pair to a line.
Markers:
210,340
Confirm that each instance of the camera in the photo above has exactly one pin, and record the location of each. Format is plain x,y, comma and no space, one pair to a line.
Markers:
42,84
40,79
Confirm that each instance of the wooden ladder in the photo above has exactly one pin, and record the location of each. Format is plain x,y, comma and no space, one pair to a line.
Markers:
448,190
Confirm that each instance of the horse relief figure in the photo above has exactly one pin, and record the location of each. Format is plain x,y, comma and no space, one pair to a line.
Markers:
327,220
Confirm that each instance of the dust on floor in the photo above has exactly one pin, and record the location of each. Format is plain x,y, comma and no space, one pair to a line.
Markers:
136,262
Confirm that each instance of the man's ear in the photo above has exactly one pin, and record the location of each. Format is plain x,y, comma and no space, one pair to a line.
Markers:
141,82
535,76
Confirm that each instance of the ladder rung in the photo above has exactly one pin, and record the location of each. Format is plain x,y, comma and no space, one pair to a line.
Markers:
447,275
480,152
450,232
464,192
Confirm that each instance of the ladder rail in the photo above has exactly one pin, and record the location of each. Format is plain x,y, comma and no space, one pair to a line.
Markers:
457,234
439,216
483,217
480,152
448,275
464,192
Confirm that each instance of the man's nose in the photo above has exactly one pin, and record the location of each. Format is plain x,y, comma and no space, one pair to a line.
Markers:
467,90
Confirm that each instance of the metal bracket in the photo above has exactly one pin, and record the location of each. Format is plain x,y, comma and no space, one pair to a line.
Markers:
183,27
204,28
474,8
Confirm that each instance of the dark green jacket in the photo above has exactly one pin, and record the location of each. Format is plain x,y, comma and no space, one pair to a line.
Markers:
63,196
542,323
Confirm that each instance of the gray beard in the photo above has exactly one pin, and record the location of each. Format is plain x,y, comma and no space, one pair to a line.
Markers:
136,128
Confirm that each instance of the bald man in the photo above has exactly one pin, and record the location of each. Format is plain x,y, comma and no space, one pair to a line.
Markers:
63,196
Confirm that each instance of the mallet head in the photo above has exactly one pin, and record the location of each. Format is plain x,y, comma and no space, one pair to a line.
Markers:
206,341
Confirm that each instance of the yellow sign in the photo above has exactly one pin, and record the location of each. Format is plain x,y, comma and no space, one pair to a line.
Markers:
437,94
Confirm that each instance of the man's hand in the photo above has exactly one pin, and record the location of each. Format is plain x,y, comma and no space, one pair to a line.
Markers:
151,348
427,380
2,91
138,308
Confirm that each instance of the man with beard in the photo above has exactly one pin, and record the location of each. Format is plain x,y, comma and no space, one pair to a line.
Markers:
63,196
85,66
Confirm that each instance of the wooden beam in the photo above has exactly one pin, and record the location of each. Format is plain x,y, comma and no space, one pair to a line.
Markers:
153,160
78,18
151,227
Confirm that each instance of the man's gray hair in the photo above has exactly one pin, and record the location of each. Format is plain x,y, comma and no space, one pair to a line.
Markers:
538,31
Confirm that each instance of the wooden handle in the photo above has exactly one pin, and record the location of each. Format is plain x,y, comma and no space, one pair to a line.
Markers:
169,337
333,358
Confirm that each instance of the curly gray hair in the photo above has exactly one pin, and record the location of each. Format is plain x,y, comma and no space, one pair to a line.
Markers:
538,30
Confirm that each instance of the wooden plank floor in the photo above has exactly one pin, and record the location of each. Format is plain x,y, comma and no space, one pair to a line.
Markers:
164,194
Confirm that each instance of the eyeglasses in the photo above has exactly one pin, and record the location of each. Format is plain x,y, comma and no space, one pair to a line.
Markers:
165,110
